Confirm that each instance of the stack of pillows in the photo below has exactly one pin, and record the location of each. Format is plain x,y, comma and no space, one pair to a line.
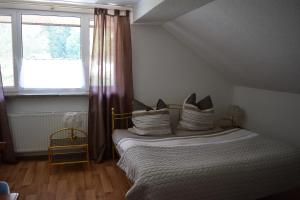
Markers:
147,121
196,116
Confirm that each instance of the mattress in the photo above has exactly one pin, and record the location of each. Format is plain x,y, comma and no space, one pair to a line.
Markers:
119,134
233,164
124,139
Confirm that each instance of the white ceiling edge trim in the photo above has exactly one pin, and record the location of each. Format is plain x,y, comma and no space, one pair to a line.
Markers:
148,24
57,6
143,7
294,94
161,11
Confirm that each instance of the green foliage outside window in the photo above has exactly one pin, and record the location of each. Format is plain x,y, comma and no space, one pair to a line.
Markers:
63,42
51,42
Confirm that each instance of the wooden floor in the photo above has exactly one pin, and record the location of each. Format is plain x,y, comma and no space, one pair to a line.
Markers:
35,180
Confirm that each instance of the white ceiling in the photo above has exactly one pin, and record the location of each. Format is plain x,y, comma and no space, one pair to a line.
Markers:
161,11
252,42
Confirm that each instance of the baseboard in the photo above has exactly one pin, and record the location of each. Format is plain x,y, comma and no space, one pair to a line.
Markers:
37,155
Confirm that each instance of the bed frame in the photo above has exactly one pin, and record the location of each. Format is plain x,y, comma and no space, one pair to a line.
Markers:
290,194
125,117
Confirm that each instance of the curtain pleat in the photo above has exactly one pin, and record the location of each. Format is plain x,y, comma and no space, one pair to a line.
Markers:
8,155
110,78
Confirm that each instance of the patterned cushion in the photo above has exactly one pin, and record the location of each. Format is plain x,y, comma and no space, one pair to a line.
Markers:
194,118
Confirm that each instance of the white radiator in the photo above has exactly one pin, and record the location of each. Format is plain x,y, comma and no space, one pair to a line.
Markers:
31,130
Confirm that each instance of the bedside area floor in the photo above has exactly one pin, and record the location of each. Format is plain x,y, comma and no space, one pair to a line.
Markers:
36,180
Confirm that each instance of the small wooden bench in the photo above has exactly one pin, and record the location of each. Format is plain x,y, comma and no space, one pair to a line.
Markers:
68,146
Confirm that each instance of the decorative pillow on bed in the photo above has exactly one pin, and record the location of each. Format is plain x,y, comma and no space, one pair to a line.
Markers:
137,105
197,116
161,104
152,122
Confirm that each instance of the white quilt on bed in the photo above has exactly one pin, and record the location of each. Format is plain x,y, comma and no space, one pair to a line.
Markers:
216,138
236,165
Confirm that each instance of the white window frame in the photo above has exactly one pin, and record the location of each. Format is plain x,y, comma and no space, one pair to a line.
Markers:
14,48
17,51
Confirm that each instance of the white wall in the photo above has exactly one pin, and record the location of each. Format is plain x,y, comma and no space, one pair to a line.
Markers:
165,68
252,42
162,68
276,114
34,104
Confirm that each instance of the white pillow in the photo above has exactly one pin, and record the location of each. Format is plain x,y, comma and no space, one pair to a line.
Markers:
152,122
192,118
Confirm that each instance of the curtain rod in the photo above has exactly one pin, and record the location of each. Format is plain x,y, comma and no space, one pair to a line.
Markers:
58,6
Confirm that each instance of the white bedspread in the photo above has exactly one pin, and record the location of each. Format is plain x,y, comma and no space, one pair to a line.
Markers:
217,138
230,165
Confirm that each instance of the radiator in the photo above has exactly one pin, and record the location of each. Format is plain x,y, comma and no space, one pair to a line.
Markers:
31,130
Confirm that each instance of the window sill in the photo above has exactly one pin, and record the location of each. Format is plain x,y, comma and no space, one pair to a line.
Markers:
29,94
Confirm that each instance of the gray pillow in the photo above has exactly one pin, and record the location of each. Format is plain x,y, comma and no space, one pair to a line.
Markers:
203,104
191,99
161,104
152,122
137,105
196,119
147,121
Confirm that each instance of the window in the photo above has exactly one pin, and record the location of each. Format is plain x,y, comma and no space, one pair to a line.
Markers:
91,35
51,52
44,52
6,51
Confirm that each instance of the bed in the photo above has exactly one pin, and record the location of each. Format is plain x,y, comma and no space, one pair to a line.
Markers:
230,164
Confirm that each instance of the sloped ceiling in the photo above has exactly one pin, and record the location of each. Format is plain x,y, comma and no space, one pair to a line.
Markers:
161,11
253,43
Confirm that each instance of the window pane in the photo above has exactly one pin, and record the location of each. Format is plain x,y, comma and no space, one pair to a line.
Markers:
51,20
6,52
92,23
51,54
5,19
91,40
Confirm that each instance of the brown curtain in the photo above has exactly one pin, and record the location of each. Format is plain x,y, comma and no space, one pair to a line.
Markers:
8,155
110,78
